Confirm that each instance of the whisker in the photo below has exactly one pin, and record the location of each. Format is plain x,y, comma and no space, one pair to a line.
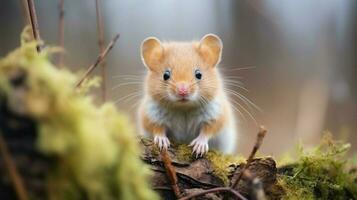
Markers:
168,83
131,79
238,86
124,84
245,110
136,104
129,75
247,101
233,81
233,68
239,112
232,77
131,95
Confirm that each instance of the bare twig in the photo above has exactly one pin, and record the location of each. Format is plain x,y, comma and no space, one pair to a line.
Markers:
170,172
100,31
257,145
215,190
13,173
61,31
98,61
34,23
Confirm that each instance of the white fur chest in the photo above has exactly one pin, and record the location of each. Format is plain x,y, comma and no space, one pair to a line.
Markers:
183,125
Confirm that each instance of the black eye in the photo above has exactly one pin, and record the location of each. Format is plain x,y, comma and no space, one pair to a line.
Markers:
198,74
167,75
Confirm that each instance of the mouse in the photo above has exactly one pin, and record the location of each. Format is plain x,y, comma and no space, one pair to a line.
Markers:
184,98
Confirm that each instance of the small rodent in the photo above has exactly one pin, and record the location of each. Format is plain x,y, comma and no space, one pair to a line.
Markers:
184,96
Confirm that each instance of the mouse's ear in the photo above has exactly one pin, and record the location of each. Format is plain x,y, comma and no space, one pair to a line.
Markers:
151,52
210,49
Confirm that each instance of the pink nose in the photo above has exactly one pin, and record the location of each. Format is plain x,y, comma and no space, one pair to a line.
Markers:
182,90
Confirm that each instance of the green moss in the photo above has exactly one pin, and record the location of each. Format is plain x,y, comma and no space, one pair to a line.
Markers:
219,161
320,174
96,153
184,153
221,164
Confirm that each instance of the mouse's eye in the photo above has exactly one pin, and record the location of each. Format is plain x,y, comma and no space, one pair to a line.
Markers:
167,75
198,74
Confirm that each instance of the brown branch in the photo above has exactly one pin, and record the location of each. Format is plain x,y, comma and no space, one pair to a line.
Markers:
100,31
257,145
61,31
34,23
98,61
13,173
215,190
170,172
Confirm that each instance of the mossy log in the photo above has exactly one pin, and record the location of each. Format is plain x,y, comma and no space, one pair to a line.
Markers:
195,175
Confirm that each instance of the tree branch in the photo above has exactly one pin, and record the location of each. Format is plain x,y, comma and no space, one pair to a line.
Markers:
13,173
257,145
215,190
34,23
100,31
98,61
171,172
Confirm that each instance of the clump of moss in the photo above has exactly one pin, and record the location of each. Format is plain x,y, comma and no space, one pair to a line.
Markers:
221,163
184,153
320,174
95,150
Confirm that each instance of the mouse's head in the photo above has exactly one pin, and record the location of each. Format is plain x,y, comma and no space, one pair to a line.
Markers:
182,73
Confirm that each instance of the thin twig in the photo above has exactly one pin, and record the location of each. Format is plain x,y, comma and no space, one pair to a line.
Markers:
98,61
34,23
61,31
100,31
13,173
170,172
257,145
214,190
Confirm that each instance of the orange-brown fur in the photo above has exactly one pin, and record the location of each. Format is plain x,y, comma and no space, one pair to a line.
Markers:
212,127
152,127
183,59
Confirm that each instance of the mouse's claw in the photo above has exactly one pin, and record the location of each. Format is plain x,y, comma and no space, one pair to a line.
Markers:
162,142
200,145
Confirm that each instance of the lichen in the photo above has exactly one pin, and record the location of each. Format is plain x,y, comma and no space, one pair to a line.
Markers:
94,147
321,173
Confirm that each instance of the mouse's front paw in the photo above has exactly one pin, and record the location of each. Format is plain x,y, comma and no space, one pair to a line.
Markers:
200,145
162,141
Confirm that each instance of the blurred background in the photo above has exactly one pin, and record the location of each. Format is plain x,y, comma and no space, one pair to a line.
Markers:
296,58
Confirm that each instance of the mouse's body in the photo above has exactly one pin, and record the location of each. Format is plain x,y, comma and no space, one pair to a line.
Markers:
185,99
